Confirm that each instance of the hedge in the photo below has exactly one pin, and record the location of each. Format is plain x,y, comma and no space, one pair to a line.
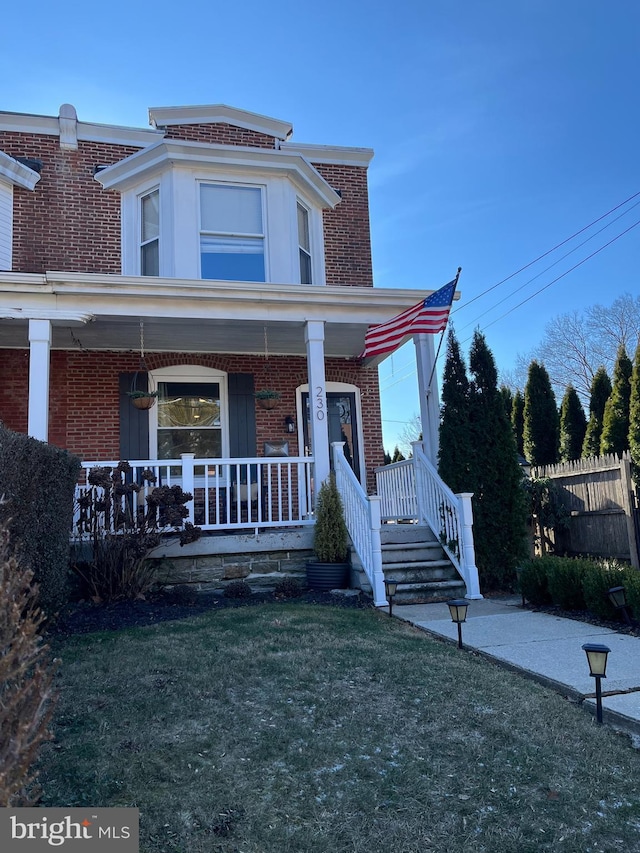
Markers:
579,583
38,483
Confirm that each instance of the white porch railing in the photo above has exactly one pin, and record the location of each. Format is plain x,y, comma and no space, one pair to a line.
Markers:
227,493
413,490
362,516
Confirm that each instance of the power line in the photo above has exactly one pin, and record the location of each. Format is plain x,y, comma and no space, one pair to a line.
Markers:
555,263
548,252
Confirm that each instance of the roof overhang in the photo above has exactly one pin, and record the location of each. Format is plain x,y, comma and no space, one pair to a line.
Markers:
163,155
196,316
219,114
16,173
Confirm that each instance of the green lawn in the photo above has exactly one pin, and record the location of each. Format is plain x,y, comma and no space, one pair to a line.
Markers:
304,728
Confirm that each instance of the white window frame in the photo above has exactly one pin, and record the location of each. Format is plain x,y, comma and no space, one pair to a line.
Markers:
213,181
301,204
141,242
191,373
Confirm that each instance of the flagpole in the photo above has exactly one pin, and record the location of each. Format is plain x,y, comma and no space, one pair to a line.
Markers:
426,361
435,360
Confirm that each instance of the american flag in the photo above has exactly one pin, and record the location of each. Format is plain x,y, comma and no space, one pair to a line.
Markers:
428,316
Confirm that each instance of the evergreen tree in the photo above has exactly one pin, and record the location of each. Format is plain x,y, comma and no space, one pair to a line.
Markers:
517,421
498,502
507,400
600,393
455,454
634,416
397,455
540,432
573,425
615,422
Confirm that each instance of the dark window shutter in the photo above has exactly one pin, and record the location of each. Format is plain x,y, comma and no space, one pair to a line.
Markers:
134,423
242,415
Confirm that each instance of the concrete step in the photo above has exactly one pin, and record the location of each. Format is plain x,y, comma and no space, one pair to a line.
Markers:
428,592
412,552
419,573
402,533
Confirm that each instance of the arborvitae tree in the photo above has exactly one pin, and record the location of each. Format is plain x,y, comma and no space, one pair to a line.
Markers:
517,421
634,416
397,455
573,425
600,393
540,431
455,454
615,423
507,399
498,502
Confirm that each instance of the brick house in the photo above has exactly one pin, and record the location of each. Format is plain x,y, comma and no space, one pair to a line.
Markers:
207,258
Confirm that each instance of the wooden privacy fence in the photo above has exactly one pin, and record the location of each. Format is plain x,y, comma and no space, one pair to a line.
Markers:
601,500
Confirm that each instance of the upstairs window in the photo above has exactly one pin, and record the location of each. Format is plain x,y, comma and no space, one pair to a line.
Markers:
150,233
231,233
304,245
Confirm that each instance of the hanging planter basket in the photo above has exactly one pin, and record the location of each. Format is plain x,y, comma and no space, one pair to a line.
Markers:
267,399
143,392
144,401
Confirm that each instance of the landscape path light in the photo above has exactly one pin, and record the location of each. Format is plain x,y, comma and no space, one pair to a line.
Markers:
597,657
390,588
618,597
458,610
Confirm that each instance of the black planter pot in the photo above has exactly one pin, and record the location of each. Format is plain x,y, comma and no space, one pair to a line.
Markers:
326,576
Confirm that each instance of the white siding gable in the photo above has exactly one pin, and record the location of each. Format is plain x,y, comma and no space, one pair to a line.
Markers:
6,224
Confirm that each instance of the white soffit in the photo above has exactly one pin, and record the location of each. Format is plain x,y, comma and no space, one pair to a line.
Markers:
334,154
17,173
156,158
219,114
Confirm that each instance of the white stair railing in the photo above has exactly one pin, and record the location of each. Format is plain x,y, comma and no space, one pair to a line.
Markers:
362,516
449,516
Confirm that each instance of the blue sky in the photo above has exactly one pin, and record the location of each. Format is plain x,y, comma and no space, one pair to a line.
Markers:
500,127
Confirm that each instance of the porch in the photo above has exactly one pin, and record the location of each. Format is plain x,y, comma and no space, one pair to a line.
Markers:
264,507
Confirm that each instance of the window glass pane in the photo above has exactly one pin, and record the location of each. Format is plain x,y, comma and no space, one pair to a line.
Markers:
151,216
231,210
150,258
303,227
229,259
189,405
305,267
205,443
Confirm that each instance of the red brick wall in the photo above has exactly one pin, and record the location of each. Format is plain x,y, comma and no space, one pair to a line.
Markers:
221,134
68,222
84,401
347,236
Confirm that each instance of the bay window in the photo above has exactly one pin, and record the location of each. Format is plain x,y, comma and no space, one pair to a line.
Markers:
304,245
150,233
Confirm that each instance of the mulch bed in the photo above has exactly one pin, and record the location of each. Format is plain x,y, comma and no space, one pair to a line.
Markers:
86,617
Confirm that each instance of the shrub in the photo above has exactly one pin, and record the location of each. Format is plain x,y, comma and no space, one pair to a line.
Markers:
26,695
599,577
330,536
39,482
564,579
533,580
631,584
120,538
238,589
288,588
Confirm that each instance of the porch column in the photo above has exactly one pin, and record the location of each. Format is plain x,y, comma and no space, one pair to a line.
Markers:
39,349
429,402
314,339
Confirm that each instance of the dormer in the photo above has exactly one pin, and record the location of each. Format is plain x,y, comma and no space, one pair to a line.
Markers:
13,173
218,198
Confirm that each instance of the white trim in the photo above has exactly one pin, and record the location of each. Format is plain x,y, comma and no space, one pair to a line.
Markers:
17,173
191,373
39,370
219,114
167,154
86,131
338,156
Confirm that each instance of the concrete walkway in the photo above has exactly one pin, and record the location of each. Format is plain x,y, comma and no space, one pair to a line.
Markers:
545,647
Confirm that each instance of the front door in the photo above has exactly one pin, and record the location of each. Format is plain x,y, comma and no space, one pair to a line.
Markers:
342,423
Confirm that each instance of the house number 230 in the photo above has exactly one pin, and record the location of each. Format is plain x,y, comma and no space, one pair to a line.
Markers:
320,402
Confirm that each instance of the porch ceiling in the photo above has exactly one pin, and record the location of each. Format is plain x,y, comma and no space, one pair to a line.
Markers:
103,312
